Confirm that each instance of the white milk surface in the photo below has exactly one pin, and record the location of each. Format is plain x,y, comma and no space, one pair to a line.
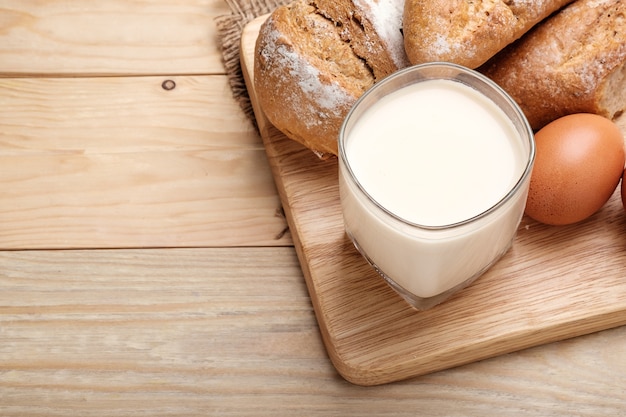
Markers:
434,153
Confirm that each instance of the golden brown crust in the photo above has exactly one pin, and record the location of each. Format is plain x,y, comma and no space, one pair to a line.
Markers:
315,58
468,32
571,63
368,26
306,77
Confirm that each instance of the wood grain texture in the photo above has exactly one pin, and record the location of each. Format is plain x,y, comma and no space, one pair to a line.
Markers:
231,331
185,332
116,37
554,283
122,162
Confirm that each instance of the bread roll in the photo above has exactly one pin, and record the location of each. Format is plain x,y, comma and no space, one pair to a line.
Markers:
574,62
314,59
468,32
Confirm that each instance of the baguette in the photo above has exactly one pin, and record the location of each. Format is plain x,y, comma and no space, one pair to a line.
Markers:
572,63
468,32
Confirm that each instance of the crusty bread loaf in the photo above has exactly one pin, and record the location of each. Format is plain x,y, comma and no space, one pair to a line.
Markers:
573,62
314,59
468,32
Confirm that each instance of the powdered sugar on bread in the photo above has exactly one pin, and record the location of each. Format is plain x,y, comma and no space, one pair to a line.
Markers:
468,32
386,17
329,98
372,28
306,76
315,58
573,62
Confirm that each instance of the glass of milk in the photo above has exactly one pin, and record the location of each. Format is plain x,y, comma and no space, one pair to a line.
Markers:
434,168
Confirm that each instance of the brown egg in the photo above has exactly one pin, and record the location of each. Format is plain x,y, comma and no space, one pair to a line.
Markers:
579,163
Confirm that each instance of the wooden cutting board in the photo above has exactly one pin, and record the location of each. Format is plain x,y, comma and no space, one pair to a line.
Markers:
555,282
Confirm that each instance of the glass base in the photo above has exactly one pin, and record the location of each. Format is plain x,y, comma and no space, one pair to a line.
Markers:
424,303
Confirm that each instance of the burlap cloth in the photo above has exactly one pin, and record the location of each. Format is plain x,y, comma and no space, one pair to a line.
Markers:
229,28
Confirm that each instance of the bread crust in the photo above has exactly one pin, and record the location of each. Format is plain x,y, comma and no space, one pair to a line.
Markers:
468,32
572,63
306,78
315,58
373,30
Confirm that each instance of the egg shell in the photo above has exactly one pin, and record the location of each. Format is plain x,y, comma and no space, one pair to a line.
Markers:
579,163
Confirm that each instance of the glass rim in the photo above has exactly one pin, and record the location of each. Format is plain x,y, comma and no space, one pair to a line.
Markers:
527,133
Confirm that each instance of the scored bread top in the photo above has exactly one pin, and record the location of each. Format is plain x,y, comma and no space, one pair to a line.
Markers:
305,76
468,32
373,30
574,62
315,58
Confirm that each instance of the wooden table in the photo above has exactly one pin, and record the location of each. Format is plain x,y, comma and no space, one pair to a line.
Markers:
145,266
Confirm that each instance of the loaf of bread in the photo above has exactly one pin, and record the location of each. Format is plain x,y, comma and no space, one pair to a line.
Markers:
314,59
468,32
573,62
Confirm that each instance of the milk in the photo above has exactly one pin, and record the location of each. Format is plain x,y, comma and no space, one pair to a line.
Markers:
426,169
433,183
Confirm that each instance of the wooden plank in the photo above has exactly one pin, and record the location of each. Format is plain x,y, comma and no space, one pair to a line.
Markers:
121,162
121,115
231,331
555,283
113,37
